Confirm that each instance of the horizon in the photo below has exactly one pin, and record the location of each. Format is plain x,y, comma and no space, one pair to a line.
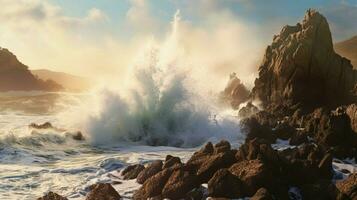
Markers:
101,40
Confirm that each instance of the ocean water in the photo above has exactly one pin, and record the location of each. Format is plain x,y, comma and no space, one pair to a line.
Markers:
33,162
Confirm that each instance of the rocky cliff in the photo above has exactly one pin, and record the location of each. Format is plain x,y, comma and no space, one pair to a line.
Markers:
301,66
235,92
15,76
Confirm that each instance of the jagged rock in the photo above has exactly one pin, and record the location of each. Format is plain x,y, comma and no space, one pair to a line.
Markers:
248,110
132,171
152,169
300,66
284,131
102,191
199,157
52,196
235,92
171,161
225,184
153,186
214,163
258,149
352,114
179,184
262,194
348,186
254,174
222,146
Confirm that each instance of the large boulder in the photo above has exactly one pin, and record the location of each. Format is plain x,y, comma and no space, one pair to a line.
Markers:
349,186
179,184
254,174
171,161
225,184
301,67
153,186
52,196
152,169
132,171
102,191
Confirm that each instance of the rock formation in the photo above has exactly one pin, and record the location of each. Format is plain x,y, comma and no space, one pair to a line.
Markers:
15,76
235,92
301,67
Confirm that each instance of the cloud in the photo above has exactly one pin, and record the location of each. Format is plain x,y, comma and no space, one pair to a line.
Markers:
139,17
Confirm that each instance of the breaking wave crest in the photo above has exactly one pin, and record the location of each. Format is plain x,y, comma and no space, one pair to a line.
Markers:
160,104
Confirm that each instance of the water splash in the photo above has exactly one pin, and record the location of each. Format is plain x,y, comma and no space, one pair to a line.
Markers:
160,104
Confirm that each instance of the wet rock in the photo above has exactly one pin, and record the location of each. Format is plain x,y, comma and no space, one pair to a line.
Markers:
254,174
52,196
171,161
262,194
76,135
225,184
102,191
152,169
222,146
179,184
46,125
258,149
214,163
132,171
201,156
153,186
348,186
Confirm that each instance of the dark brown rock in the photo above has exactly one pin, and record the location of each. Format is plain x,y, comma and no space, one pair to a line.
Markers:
262,194
214,163
300,66
225,184
153,186
171,161
201,156
255,129
152,169
321,190
132,171
102,191
179,184
222,146
52,196
298,138
254,174
348,186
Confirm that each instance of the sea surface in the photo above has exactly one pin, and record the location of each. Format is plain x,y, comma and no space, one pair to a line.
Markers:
33,162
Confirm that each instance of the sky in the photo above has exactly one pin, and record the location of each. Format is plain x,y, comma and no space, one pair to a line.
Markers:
100,39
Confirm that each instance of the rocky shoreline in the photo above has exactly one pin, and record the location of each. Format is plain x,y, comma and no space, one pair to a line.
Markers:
309,98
